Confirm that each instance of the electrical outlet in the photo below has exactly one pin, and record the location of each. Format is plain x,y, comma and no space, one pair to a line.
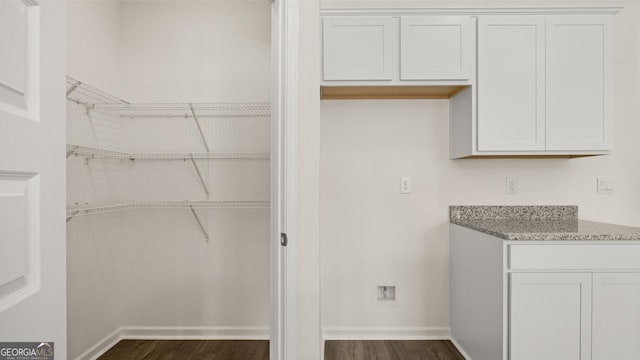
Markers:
605,185
512,185
405,185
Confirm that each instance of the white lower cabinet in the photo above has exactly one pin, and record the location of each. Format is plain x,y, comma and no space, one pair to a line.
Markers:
550,315
616,316
544,300
581,316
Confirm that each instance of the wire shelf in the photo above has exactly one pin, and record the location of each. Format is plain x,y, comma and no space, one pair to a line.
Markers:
86,209
99,153
98,100
88,95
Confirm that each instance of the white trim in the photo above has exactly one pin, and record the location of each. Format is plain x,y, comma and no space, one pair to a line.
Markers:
386,333
582,10
102,346
174,333
284,39
460,349
194,333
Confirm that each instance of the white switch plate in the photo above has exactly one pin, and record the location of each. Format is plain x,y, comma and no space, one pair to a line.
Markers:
405,185
512,185
605,185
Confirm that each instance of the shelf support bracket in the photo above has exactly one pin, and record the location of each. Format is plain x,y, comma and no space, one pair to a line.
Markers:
73,88
69,218
69,153
195,118
195,215
202,182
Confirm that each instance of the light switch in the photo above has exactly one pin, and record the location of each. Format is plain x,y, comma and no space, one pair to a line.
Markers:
605,185
405,185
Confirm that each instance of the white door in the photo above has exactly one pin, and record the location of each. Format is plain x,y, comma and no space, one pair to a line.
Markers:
283,220
436,47
579,63
616,316
358,48
511,67
550,316
32,173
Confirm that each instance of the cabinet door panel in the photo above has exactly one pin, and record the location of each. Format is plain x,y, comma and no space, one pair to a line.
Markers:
550,316
436,47
616,316
578,83
358,48
511,87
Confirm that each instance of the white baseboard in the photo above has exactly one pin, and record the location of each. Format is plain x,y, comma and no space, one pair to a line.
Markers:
460,349
174,333
194,333
385,333
102,346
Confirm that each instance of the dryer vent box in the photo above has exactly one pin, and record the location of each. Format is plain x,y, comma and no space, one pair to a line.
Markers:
386,293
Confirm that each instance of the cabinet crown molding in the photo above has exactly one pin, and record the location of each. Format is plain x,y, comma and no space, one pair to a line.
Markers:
582,10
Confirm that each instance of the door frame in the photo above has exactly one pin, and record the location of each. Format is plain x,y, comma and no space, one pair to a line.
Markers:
284,114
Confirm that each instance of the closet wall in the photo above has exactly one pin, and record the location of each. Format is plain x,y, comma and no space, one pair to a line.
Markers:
152,270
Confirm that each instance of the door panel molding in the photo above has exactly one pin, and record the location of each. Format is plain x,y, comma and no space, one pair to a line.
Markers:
20,72
20,235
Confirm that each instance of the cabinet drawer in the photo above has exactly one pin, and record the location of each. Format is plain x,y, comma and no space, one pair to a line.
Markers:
574,257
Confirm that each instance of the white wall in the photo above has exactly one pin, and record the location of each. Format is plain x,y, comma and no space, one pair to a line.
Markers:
196,51
370,232
154,267
93,43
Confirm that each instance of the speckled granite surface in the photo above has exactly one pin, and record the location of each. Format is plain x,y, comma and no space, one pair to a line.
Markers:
541,223
522,212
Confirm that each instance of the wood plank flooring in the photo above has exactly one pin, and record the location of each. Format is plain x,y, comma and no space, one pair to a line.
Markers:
188,350
390,350
259,350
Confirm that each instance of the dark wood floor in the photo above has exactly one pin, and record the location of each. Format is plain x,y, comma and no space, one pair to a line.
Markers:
259,350
390,350
188,350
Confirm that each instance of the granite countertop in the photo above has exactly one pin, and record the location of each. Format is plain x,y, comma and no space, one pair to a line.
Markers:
542,223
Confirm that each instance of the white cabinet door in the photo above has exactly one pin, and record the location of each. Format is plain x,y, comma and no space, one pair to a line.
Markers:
358,48
616,316
550,316
436,47
578,83
511,83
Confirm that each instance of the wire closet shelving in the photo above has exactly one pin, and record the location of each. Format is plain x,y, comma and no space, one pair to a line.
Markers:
101,153
86,209
96,100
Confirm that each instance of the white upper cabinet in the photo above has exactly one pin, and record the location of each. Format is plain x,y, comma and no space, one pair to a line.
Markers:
411,50
578,83
436,47
511,83
525,82
358,48
543,87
